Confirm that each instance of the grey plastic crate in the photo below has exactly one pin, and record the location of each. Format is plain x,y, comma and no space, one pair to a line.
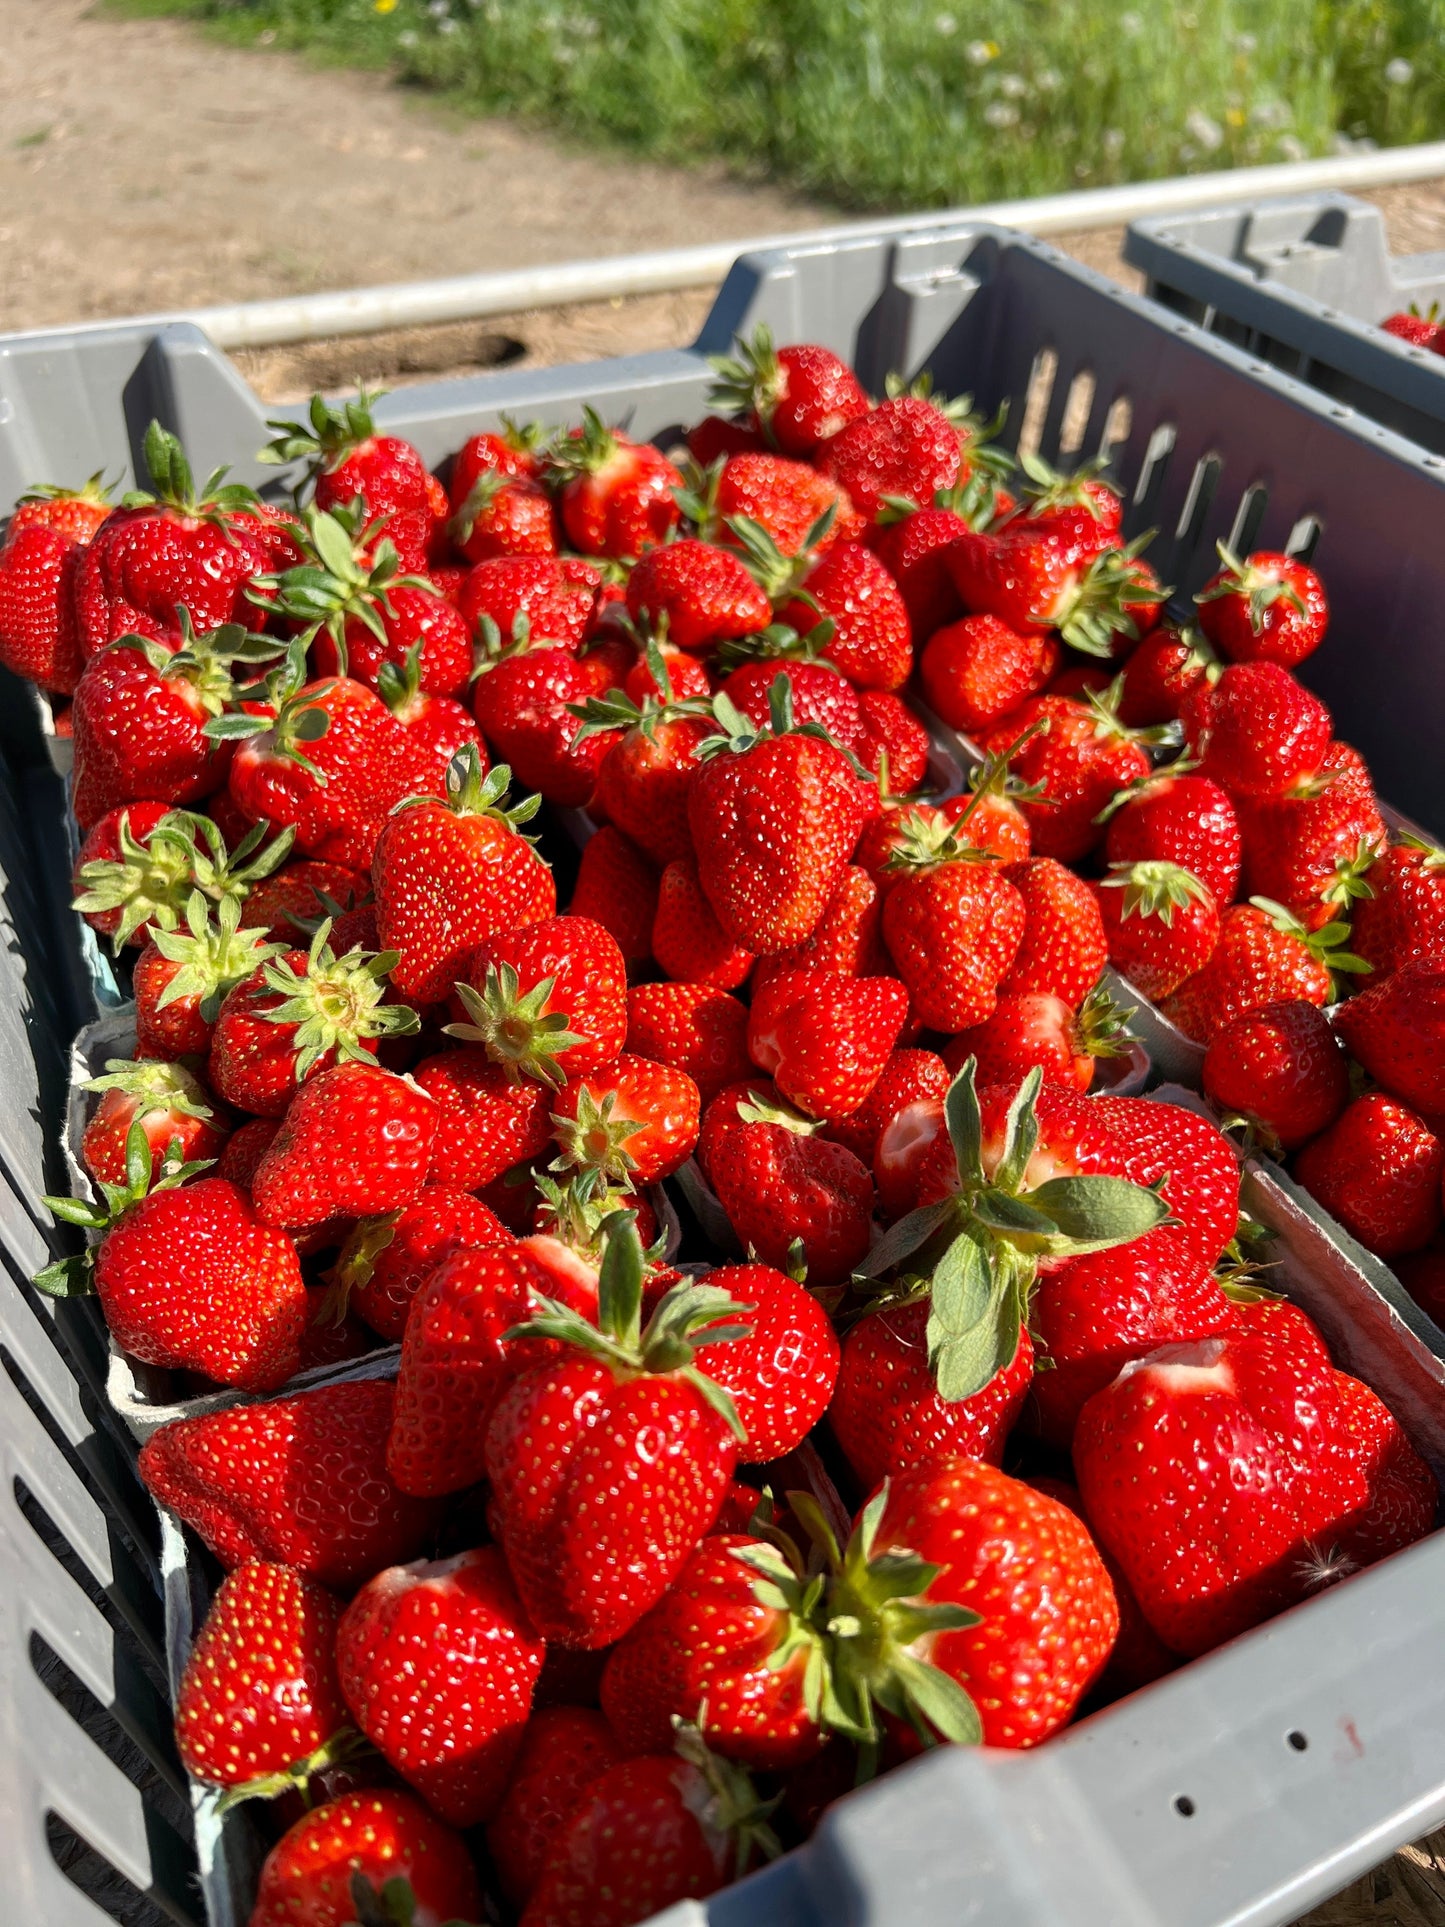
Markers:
1243,1787
1304,282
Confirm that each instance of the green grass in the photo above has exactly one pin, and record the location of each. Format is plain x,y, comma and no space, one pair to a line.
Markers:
903,103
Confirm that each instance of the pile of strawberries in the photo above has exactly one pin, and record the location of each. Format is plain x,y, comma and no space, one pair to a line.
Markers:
637,1552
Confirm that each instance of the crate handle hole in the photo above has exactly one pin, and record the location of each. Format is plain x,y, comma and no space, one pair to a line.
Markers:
1184,1807
1299,1741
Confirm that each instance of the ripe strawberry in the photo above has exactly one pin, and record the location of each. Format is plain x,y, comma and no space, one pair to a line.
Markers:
1267,608
1041,1614
355,1140
782,1186
1257,731
909,1077
990,815
1187,1159
486,1121
39,635
1029,1028
515,453
547,1001
617,887
1281,1069
644,778
1097,1312
532,598
870,638
848,937
1311,849
774,815
1033,575
1209,1469
259,1699
796,396
76,513
907,446
243,1150
1183,819
977,671
453,1634
1080,504
780,1373
437,725
1403,1495
1162,675
714,436
564,1751
688,942
824,1037
372,1837
1263,956
1080,757
262,1481
1139,1656
528,706
615,494
1377,1169
1161,922
895,746
817,692
387,1259
502,514
703,594
912,550
1402,919
139,867
633,1121
685,676
693,1027
296,897
346,458
952,924
1419,329
1064,946
788,499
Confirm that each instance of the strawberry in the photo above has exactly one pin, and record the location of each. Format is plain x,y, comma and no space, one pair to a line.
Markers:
296,1015
644,778
615,494
1039,1616
912,550
514,453
564,1751
1402,918
870,638
1403,1495
976,671
701,593
1162,675
486,1121
1184,1157
1266,608
1256,730
1034,575
1377,1169
633,1121
1097,1312
76,513
990,812
1139,1656
780,1374
346,458
1280,1068
895,746
452,1634
685,677
243,1150
528,706
952,924
796,396
39,634
693,1027
887,1413
562,1433
774,814
788,499
1064,946
817,692
437,725
1311,849
1080,757
355,1140
502,514
848,937
617,887
532,597
166,1100
824,1037
907,446
1419,329
1029,1028
1161,922
365,1841
1209,1469
262,1482
296,897
387,1259
547,1001
1081,505
715,436
909,1077
1263,956
453,871
259,1699
648,1833
782,1186
139,867
1183,819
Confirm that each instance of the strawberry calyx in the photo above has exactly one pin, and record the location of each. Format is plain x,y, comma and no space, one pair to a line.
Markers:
1259,589
600,715
749,382
585,451
757,1109
213,956
1155,888
157,1085
980,1247
575,1212
480,497
392,1904
336,1003
399,685
779,576
1101,1025
94,490
738,733
204,662
289,709
185,854
925,841
74,1276
977,433
1050,489
596,1140
339,583
1324,944
1104,706
356,1263
489,649
1434,857
697,496
344,1746
731,1810
468,792
327,436
1093,606
1180,765
668,1343
1351,879
515,1028
173,485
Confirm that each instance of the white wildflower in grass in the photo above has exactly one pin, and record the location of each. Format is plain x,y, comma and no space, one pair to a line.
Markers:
1113,142
980,52
1270,113
1048,82
406,38
448,25
945,24
1245,43
999,113
1131,24
1289,148
1399,72
1204,132
1012,86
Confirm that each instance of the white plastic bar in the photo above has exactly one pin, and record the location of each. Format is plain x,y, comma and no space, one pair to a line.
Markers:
466,297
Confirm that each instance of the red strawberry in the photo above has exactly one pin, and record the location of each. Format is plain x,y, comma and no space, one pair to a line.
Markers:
703,594
780,1185
1080,757
387,1259
1210,1468
166,1100
1281,1068
259,1697
909,1077
564,1751
244,1149
780,1374
870,638
633,1121
1403,1495
905,447
797,396
528,706
355,1139
1186,820
693,1027
685,677
895,746
533,598
1257,731
1162,924
450,873
1036,575
788,499
39,635
824,1037
1263,956
486,1121
616,494
1081,505
346,458
617,887
912,551
818,693
714,436
1310,850
75,512
952,924
261,1482
1421,330
1185,1155
1161,676
1097,1312
1377,1169
1064,946
501,514
437,725
1267,608
847,938
1402,919
644,778
452,1634
374,1837
977,671
1041,1614
141,864
298,895
1029,1028
547,1001
515,453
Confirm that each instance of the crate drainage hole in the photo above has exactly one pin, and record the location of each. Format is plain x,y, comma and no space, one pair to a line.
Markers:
1297,1740
1184,1807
